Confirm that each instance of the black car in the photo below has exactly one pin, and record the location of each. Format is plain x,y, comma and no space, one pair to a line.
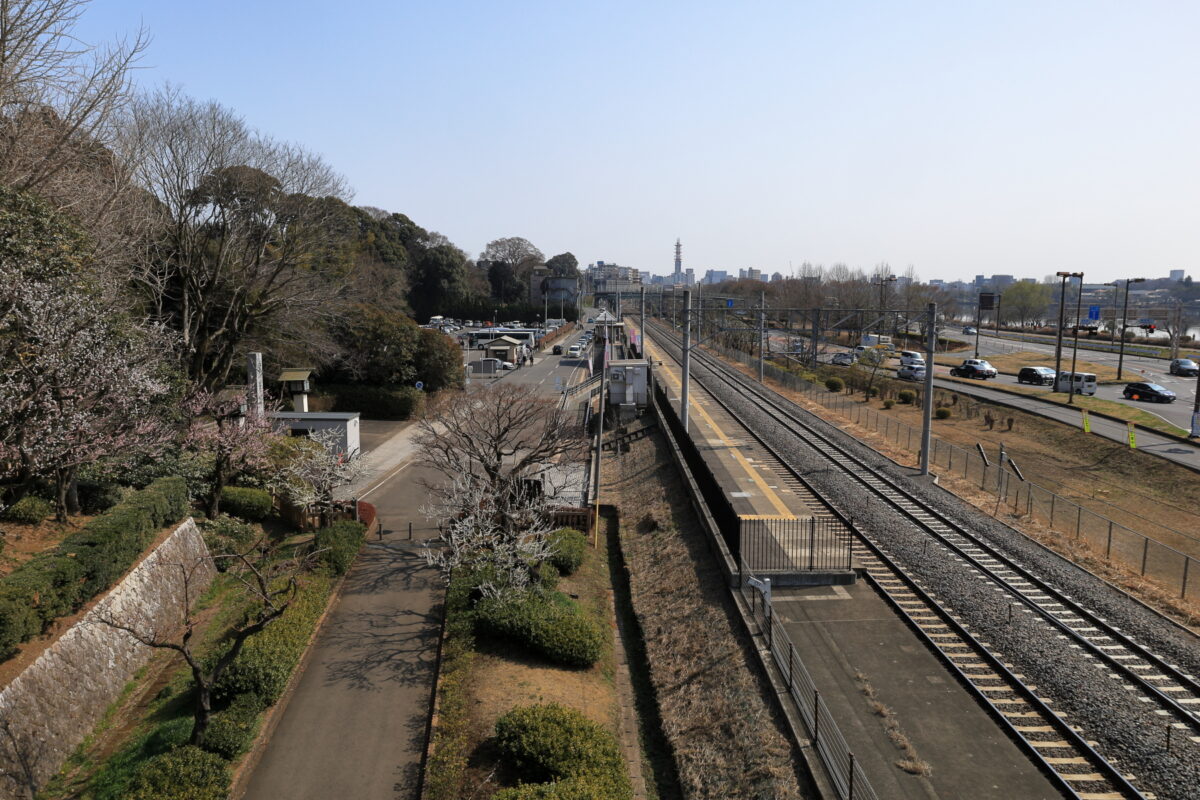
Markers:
1148,391
1040,376
1185,367
558,350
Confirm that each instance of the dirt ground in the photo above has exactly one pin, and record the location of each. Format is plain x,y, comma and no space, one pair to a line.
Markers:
23,542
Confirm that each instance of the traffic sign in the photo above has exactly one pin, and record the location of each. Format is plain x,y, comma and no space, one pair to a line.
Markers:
1093,312
729,302
419,385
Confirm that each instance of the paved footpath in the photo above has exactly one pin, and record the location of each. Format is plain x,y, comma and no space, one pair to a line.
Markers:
355,727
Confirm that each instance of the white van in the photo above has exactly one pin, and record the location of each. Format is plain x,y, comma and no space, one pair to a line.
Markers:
911,358
1076,382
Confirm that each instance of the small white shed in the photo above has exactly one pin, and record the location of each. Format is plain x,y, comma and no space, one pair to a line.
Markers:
628,381
303,423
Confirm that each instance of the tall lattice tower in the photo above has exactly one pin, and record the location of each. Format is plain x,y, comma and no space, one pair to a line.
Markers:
678,259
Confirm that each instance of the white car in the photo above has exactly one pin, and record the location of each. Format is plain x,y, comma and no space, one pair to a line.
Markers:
506,365
911,372
911,358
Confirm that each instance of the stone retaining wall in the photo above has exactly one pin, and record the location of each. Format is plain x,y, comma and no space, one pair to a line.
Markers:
57,700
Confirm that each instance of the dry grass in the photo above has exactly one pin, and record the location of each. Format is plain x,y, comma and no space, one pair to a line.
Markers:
911,762
728,741
1011,364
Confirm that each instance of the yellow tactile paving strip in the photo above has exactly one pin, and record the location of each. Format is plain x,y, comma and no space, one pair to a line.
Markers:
731,448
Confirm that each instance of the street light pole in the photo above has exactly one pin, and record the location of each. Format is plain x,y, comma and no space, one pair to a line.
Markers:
1062,298
1075,346
1125,316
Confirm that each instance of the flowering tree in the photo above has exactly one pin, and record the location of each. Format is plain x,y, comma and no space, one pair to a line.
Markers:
237,437
313,478
78,382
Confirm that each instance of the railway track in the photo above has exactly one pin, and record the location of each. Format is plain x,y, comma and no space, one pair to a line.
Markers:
1050,739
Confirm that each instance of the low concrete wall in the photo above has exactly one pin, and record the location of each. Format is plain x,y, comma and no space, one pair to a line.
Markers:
57,700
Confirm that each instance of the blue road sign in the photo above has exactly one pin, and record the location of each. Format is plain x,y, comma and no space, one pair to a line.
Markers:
1093,312
420,385
729,302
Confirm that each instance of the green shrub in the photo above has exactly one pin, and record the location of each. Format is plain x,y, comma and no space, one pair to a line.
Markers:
187,773
551,742
568,546
889,403
907,396
246,503
224,535
376,402
231,732
267,660
96,497
29,510
582,788
557,632
86,562
340,543
835,384
942,413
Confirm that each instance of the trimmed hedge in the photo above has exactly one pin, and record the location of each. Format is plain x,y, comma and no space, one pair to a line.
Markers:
907,396
186,773
340,543
29,510
554,743
569,789
231,732
376,402
560,633
96,498
224,535
246,503
58,582
267,660
942,413
568,546
835,384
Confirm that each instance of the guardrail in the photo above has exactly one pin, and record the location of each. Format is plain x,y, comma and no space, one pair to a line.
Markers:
794,545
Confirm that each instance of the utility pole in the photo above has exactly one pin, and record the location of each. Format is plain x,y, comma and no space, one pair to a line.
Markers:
599,443
673,325
1075,346
1124,317
762,335
816,333
1062,300
927,401
687,351
642,326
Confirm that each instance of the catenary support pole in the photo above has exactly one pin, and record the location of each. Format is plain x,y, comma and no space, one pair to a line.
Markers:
642,326
927,404
762,335
687,351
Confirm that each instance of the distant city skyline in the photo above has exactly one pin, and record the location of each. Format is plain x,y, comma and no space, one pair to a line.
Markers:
1020,138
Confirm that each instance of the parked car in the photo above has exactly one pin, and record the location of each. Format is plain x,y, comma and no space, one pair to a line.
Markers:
1148,391
974,368
843,359
970,331
911,372
1184,366
1039,376
557,350
911,358
506,365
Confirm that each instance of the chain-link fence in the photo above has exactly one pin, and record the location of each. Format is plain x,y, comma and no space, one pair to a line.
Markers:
1146,556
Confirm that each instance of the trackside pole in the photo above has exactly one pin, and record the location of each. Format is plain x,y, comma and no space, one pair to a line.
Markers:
687,350
927,405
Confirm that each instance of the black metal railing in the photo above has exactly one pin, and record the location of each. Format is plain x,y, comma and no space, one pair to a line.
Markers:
794,545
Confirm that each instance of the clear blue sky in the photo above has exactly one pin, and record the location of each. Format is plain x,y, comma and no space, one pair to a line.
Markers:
958,137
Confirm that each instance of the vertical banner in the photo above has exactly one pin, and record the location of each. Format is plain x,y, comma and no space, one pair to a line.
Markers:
1132,434
1087,421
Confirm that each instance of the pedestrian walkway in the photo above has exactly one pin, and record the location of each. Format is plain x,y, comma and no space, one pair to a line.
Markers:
356,723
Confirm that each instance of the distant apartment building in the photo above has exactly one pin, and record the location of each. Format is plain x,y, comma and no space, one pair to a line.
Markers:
1176,274
605,277
750,274
715,276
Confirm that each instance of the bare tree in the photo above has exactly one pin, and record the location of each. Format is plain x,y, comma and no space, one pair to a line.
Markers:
270,585
244,229
504,432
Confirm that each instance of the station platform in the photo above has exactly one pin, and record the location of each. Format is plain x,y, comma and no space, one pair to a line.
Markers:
755,486
852,643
